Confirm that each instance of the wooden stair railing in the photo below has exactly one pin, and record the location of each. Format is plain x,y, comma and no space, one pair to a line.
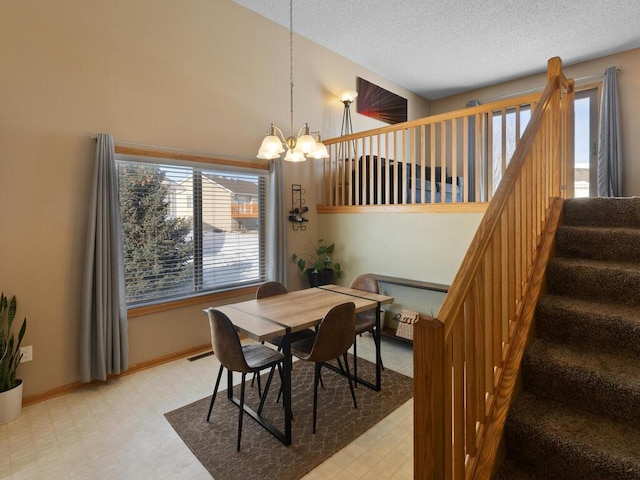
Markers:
454,160
466,360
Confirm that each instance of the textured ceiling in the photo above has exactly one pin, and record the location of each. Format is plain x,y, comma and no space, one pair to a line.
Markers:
437,48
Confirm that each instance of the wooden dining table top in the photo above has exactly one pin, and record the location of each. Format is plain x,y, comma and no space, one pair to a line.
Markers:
295,310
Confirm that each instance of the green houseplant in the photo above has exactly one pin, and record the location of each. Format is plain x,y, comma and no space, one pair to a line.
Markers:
10,388
317,266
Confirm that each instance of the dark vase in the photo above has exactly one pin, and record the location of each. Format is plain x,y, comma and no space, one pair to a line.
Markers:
323,277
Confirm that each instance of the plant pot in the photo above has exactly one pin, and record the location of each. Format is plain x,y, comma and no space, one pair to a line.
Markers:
323,277
11,404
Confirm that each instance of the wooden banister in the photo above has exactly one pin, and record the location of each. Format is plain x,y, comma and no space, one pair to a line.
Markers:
466,360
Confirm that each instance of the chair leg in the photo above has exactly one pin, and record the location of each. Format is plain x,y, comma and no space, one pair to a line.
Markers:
241,412
355,359
259,385
280,392
316,379
379,334
353,393
266,389
215,391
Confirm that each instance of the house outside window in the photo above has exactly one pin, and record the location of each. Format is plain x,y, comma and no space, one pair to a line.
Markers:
187,231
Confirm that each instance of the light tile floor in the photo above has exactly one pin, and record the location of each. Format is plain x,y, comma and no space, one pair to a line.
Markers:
117,430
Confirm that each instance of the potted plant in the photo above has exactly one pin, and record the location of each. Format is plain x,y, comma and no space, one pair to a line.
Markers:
10,387
318,266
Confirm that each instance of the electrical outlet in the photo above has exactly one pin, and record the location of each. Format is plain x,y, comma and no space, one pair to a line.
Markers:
27,354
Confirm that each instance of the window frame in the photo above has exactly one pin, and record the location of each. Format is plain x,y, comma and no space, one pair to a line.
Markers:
202,161
593,92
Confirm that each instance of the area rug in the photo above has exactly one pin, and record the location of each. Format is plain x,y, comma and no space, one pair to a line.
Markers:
262,455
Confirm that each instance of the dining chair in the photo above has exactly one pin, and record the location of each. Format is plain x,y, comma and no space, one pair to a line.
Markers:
365,321
334,337
236,357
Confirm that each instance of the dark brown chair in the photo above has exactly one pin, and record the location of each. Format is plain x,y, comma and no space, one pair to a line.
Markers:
334,337
236,357
365,321
269,289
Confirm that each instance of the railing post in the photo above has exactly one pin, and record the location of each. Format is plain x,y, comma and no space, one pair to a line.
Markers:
429,452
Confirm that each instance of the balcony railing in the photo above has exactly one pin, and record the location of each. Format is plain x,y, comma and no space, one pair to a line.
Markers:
457,158
244,211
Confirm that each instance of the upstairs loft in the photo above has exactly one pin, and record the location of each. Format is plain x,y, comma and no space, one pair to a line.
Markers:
448,162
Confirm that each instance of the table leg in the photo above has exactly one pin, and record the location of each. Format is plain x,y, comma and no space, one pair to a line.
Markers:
286,386
376,339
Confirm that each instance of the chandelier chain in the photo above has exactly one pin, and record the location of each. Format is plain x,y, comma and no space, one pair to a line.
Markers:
291,64
298,146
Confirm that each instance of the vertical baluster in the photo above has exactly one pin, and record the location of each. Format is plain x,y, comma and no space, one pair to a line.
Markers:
458,335
454,163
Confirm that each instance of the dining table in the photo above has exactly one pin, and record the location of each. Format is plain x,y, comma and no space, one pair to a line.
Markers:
282,315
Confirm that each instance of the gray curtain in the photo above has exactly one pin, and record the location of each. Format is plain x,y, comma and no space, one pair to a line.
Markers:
103,329
277,230
609,144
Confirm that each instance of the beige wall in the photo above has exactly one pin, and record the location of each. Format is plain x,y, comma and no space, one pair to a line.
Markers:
628,96
204,76
419,246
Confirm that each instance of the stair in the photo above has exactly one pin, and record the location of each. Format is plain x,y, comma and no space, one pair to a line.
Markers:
578,415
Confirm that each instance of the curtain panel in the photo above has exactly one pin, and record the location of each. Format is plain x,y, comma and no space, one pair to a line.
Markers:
103,330
277,231
609,140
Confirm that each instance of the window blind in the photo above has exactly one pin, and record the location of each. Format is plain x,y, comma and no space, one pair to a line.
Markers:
190,230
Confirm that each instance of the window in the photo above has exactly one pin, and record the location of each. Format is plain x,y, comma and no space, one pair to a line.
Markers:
187,230
586,143
508,126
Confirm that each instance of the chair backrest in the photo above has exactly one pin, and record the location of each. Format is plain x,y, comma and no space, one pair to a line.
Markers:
269,289
335,334
366,283
226,343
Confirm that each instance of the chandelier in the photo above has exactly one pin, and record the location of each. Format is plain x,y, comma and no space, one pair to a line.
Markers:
301,146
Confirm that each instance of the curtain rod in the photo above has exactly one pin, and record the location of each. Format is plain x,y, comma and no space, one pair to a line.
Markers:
594,75
533,90
146,145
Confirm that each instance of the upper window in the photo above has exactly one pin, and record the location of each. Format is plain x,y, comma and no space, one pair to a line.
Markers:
189,230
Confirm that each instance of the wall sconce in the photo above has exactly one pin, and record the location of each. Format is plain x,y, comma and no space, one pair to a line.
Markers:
298,208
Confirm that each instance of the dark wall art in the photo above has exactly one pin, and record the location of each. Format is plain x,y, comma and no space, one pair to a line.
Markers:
376,102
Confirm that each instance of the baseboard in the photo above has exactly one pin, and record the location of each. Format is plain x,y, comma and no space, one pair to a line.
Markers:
71,387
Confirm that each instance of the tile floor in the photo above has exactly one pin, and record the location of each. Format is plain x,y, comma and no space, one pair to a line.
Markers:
117,430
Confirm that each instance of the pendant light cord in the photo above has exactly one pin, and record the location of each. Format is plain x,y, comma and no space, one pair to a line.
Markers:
291,64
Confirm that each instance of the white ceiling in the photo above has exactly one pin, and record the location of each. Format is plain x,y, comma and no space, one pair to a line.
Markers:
437,48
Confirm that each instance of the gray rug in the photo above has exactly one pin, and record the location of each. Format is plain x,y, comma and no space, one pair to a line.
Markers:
262,455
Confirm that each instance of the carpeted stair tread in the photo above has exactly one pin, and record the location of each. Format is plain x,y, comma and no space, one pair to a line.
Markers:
594,279
510,470
597,243
598,382
578,416
604,212
597,325
569,444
